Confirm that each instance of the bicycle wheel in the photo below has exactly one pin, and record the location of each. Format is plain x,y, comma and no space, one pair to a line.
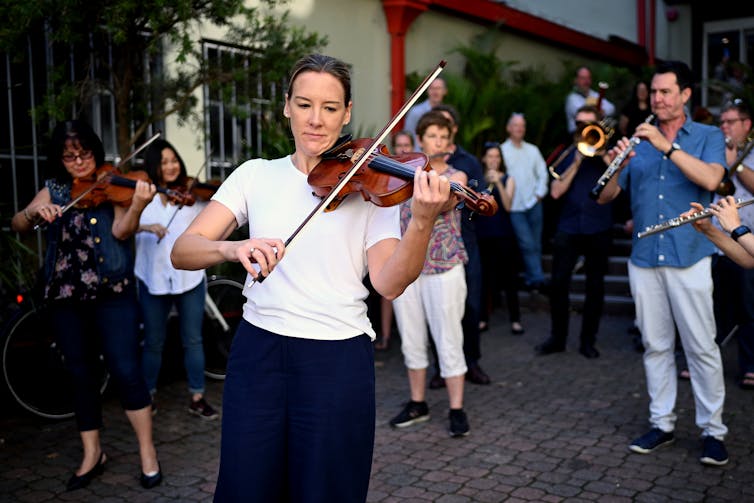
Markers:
34,367
223,309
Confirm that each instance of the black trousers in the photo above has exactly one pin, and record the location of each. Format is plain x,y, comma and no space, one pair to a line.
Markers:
566,251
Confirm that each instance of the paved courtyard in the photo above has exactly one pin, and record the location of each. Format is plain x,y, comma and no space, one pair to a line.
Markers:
553,428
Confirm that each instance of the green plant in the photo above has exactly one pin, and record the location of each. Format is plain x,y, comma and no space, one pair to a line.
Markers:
488,90
18,270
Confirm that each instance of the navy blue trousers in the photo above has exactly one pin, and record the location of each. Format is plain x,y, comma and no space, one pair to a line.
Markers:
109,325
298,419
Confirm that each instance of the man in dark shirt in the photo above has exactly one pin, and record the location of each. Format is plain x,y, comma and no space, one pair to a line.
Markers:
464,161
583,230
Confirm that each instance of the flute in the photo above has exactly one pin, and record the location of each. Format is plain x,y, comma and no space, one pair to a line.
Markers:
615,165
678,221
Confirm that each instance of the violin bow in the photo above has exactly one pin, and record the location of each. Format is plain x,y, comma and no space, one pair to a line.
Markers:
364,156
130,156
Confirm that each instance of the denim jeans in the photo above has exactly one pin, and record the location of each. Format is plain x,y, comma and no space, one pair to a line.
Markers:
528,228
109,325
155,310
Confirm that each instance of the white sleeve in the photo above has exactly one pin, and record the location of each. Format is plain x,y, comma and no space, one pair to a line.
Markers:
232,193
384,223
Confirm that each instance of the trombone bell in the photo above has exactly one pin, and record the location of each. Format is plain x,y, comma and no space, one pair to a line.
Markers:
592,138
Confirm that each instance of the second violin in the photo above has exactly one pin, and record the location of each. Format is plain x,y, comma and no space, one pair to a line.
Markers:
109,184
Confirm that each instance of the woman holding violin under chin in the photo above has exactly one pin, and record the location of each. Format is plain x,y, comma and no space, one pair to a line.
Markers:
90,290
299,398
161,286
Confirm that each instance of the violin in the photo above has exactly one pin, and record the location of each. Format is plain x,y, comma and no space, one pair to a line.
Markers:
80,189
384,180
203,191
108,184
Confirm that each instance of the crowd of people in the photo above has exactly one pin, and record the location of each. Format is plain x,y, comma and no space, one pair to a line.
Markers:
667,162
299,396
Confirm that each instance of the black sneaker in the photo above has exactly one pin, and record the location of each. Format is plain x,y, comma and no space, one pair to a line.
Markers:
713,452
651,440
412,413
202,409
459,424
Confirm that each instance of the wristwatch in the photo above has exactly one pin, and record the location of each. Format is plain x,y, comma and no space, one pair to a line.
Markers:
739,231
672,149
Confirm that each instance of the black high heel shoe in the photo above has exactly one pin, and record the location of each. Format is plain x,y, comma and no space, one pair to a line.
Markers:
81,481
150,481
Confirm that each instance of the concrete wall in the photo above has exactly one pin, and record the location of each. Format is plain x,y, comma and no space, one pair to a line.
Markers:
599,18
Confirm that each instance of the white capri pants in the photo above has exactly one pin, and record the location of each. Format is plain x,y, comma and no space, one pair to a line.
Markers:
437,300
664,295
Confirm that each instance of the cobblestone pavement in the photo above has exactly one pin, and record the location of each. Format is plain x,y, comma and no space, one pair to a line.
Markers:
553,428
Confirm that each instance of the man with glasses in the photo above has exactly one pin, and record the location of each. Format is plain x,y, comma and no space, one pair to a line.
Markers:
734,285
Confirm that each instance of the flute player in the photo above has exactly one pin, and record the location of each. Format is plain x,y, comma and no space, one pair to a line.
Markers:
677,161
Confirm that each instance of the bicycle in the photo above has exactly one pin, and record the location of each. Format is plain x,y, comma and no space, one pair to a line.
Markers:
34,367
223,309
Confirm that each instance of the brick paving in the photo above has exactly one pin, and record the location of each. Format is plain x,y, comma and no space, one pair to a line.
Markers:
551,429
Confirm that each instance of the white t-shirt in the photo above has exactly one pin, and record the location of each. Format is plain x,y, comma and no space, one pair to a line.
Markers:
153,265
316,291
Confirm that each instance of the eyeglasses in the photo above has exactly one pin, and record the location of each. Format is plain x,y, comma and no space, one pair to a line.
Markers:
491,144
730,122
84,155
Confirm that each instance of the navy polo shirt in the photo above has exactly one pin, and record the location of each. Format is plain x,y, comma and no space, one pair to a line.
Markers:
580,214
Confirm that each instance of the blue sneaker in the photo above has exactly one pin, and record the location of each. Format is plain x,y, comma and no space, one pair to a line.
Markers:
651,440
713,452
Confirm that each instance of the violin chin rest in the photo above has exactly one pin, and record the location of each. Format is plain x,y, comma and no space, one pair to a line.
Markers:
333,151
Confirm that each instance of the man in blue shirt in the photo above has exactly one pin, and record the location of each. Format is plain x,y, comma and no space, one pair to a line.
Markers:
676,162
583,230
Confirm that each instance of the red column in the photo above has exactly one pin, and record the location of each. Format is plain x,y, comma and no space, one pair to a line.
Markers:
400,14
641,23
652,31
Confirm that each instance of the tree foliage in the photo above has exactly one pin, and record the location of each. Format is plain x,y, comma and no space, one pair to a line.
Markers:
117,39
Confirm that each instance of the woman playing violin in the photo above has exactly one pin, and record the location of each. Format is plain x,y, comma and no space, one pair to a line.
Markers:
299,398
91,293
437,297
160,285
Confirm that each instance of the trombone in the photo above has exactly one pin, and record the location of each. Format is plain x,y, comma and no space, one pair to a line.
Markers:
590,140
726,187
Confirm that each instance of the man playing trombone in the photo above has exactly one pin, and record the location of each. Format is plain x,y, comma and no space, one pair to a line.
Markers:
583,229
675,161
